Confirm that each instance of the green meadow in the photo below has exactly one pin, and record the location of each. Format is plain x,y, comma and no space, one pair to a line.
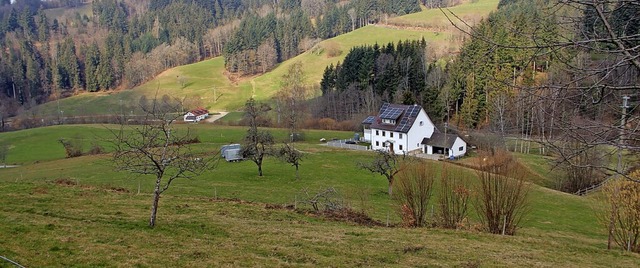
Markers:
81,212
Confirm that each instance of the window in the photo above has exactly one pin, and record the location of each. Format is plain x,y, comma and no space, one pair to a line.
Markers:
421,123
384,133
377,143
400,147
391,134
461,148
377,133
400,136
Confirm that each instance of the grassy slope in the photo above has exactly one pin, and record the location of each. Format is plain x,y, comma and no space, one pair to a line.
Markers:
92,224
202,77
470,12
57,13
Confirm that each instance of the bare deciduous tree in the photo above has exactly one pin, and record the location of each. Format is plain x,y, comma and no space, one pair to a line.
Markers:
291,155
385,163
257,143
155,148
291,98
267,55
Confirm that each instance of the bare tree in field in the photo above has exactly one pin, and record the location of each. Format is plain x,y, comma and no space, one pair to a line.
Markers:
291,99
155,148
291,155
257,143
385,163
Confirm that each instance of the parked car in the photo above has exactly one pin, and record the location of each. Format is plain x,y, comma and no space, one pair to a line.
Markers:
350,142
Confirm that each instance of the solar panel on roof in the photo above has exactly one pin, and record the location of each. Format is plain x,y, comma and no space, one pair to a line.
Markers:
391,113
404,125
414,111
369,120
384,107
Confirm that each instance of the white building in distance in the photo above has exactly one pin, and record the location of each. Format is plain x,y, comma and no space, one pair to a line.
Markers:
406,129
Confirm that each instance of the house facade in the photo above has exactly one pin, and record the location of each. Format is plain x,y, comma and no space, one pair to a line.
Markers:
196,115
406,129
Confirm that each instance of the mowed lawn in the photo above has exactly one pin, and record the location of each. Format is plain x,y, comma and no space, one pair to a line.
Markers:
80,212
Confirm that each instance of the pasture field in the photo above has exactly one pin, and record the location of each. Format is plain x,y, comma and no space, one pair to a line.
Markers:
471,13
206,84
80,212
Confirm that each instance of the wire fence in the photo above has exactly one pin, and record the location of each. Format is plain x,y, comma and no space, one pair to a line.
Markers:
345,145
12,262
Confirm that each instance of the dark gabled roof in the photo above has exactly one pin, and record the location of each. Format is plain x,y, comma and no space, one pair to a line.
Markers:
440,140
404,115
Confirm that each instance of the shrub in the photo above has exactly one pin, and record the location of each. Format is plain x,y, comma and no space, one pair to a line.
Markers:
453,199
623,212
327,123
501,199
581,170
72,147
96,149
413,191
333,49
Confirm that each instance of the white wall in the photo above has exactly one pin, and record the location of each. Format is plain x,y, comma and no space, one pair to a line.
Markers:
409,141
382,139
456,147
185,117
417,133
367,135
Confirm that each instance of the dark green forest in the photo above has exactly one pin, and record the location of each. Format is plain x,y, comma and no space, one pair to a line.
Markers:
123,43
397,73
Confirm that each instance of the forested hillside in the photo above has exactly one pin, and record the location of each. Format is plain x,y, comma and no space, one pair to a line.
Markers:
388,72
53,49
509,75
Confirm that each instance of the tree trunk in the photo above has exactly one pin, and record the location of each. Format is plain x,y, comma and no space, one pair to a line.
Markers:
260,169
154,206
297,173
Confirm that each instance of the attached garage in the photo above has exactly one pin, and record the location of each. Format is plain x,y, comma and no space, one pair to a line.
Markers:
448,145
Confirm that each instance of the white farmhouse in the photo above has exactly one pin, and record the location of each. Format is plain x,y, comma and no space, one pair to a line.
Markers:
408,129
196,115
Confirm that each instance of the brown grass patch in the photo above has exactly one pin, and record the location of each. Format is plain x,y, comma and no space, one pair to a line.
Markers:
347,215
65,182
